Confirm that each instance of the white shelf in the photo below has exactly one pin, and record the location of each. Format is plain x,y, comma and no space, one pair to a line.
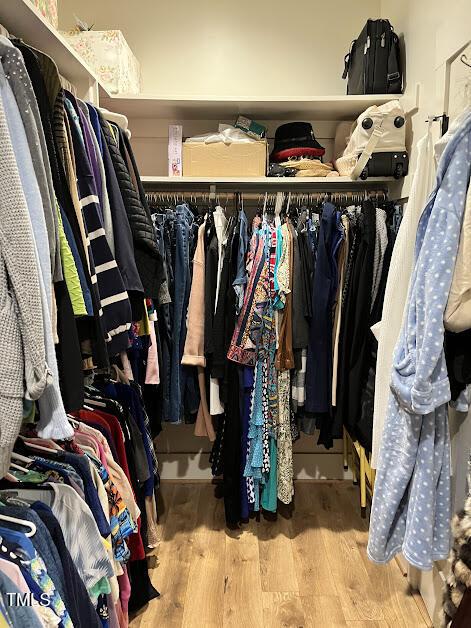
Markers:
312,182
213,107
23,20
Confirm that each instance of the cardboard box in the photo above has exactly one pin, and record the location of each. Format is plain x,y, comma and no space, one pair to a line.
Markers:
225,160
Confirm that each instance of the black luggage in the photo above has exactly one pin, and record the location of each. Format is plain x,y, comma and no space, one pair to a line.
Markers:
394,164
373,64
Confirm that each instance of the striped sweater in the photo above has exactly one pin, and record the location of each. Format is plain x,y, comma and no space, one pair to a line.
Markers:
115,309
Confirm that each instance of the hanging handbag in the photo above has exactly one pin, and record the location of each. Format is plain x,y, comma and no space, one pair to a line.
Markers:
373,65
377,144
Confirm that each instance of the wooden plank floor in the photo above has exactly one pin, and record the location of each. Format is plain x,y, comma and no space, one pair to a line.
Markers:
309,570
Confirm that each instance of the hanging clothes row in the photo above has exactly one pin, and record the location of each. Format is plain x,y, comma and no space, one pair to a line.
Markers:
93,496
277,336
80,271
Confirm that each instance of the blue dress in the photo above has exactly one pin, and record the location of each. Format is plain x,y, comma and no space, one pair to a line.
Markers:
411,505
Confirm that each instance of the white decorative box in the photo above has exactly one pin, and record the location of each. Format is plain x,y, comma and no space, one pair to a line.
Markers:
48,9
108,53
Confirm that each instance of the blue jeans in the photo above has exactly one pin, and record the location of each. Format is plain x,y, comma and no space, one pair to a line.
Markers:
181,293
176,233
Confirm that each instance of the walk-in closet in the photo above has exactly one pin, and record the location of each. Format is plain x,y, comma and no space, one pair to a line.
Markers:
235,312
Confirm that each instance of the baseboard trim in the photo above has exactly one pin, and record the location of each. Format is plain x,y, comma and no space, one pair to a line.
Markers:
307,466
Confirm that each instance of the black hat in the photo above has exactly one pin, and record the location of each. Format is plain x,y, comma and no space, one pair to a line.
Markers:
292,138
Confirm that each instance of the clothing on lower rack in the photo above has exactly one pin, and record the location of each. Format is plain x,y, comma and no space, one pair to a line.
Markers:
96,511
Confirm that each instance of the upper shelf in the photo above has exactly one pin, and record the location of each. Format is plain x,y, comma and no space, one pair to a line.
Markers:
212,107
278,182
22,19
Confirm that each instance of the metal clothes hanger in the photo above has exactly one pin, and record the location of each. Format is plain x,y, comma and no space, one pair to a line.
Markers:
464,59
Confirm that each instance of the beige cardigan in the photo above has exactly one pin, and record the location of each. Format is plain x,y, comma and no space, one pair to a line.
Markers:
193,353
458,310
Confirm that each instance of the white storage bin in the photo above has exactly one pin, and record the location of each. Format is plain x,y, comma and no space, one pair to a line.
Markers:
108,54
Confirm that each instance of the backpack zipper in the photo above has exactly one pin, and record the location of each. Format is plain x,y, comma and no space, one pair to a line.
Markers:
366,65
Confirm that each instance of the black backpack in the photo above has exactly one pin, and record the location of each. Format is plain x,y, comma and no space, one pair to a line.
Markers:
373,63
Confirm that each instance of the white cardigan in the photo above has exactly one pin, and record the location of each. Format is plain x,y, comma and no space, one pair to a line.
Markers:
397,287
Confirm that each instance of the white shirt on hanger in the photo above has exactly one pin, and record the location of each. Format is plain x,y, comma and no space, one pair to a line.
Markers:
220,222
397,287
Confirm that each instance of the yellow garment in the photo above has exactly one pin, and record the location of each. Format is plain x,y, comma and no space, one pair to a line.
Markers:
70,272
3,622
317,172
307,164
71,175
144,326
310,168
113,132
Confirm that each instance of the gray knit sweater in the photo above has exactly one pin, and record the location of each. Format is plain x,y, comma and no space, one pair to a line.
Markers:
22,347
15,71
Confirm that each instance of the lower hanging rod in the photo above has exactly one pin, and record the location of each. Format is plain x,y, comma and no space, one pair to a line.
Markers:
354,196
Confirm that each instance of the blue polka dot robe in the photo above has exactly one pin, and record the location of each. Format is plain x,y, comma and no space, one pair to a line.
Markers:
411,503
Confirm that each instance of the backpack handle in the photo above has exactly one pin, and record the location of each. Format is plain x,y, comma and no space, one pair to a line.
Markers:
346,60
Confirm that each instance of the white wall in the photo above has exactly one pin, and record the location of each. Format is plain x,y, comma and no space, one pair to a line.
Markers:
427,28
268,48
265,48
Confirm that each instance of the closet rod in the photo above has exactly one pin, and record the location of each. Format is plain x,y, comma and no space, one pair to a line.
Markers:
164,195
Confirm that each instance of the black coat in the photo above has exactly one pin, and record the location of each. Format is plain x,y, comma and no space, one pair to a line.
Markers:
355,333
319,355
301,308
148,259
364,427
123,240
